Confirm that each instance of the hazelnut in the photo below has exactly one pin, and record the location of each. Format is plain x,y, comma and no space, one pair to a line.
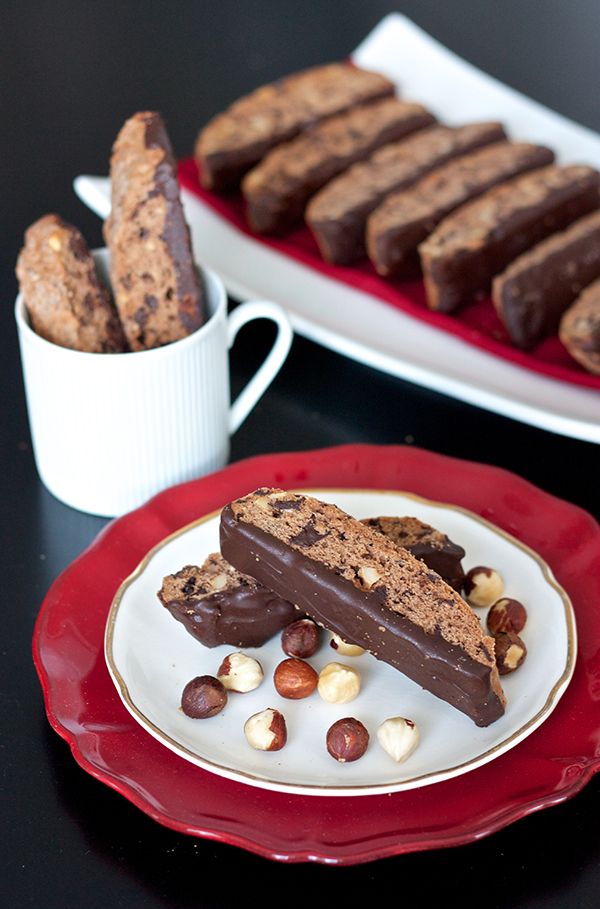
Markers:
347,740
54,242
218,582
506,615
266,731
204,696
398,737
241,673
338,684
510,651
295,679
369,576
300,638
482,586
344,648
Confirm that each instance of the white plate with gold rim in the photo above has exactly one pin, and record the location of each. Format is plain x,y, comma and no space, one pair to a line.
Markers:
151,657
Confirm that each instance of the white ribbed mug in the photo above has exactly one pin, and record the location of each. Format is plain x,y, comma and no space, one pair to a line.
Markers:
111,430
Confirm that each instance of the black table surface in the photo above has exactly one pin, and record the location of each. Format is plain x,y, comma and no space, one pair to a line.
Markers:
70,74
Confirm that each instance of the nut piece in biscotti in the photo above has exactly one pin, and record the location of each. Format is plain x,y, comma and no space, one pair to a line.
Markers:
277,189
337,215
531,295
426,543
219,605
64,298
405,219
473,244
580,328
235,140
360,585
157,289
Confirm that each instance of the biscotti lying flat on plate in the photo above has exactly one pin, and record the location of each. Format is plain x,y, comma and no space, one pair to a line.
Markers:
405,219
219,605
235,140
580,328
337,215
426,543
534,291
278,189
473,244
65,300
360,585
156,286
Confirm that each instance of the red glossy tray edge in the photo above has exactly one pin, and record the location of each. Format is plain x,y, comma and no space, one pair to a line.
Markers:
478,831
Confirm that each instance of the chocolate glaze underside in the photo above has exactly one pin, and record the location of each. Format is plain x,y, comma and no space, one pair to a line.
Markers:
362,617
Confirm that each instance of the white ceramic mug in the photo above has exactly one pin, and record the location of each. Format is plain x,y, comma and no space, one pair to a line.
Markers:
111,430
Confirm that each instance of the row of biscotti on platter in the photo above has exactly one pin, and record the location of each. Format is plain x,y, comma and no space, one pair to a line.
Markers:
385,586
370,172
157,291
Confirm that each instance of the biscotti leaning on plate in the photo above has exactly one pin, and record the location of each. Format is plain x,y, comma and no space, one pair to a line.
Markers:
235,140
580,328
65,300
356,582
158,291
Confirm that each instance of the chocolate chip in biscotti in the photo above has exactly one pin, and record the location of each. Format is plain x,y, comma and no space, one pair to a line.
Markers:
157,288
476,242
360,585
580,328
277,190
235,140
425,543
63,295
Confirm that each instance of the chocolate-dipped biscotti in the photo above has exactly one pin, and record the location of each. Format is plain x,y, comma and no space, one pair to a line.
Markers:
426,543
361,586
531,295
337,214
405,219
219,605
277,190
580,328
235,140
473,244
156,286
64,298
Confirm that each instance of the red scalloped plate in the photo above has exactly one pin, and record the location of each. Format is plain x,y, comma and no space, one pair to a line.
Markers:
84,708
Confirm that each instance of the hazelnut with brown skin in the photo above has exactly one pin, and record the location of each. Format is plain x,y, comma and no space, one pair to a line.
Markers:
482,586
506,615
510,651
266,731
295,679
347,740
300,638
203,697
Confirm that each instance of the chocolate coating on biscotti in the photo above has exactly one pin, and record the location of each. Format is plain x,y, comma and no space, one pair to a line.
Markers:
580,328
337,214
219,605
531,295
157,289
426,543
235,140
63,295
357,583
277,190
478,241
404,219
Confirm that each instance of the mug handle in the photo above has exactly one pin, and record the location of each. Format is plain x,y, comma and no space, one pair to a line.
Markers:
260,381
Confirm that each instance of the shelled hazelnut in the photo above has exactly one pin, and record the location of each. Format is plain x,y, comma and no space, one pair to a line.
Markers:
347,740
398,737
344,648
203,697
301,638
295,679
266,731
482,586
338,684
241,673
